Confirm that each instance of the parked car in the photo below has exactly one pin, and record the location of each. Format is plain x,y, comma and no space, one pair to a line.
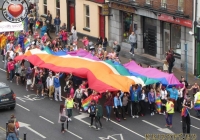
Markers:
7,97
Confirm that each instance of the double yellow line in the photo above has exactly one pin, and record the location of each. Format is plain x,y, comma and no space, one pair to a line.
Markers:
5,130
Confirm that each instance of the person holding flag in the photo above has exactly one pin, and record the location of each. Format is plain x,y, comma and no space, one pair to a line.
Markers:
187,104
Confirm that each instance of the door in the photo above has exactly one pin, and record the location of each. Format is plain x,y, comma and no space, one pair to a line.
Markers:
72,15
166,40
150,40
101,24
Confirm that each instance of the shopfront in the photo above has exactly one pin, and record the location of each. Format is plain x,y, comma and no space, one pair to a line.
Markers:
127,25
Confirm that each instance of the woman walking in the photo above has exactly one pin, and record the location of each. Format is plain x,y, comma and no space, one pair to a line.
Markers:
187,104
108,104
118,104
63,118
69,103
169,112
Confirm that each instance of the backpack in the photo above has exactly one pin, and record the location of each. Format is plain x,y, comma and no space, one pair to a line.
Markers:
118,48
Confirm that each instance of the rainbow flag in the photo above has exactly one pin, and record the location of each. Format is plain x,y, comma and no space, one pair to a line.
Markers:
37,24
18,49
158,104
184,112
197,105
86,102
26,43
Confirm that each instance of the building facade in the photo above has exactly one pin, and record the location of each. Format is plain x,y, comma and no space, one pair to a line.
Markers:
159,24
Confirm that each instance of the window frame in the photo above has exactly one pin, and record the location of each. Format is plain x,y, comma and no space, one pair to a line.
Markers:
164,4
45,5
148,2
87,16
57,8
180,5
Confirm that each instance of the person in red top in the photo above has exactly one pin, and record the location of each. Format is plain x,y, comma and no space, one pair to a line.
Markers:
96,96
11,37
108,104
11,69
64,37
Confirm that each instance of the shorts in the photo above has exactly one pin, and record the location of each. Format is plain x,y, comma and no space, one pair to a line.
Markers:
17,74
39,87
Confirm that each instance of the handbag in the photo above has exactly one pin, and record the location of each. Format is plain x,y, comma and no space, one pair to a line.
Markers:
62,118
29,82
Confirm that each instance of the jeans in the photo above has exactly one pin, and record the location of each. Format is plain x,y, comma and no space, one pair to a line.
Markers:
169,119
69,112
62,126
142,105
12,73
11,136
134,108
108,109
57,29
57,90
152,107
132,47
186,124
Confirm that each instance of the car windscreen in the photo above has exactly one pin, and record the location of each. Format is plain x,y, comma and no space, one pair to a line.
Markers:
4,91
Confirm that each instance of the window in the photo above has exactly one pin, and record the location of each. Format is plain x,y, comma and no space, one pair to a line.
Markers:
127,28
87,16
164,3
180,5
45,6
4,91
148,1
58,7
176,38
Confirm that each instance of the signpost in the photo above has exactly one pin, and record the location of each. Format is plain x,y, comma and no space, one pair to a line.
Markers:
106,11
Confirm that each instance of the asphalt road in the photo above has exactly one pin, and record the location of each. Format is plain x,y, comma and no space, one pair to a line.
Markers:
39,120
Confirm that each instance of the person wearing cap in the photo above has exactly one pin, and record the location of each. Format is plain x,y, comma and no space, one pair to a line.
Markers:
169,112
57,86
50,85
185,114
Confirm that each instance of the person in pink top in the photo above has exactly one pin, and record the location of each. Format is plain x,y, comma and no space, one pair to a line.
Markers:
83,85
11,69
64,37
85,42
44,38
96,96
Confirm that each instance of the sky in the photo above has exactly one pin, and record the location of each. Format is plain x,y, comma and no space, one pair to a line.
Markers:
1,16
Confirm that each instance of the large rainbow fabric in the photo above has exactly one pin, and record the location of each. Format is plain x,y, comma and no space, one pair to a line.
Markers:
37,24
158,104
86,102
184,112
100,75
26,42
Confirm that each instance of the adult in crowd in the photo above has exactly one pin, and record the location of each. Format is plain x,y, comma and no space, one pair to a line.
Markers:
12,134
151,98
99,115
49,23
169,112
62,119
108,104
170,60
57,86
69,103
134,93
118,104
133,42
57,23
50,85
92,111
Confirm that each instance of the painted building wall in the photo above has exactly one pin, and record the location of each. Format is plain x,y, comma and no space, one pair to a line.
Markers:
94,18
51,6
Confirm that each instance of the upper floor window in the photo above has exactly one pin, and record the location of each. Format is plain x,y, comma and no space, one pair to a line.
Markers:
87,16
164,3
180,5
58,7
148,1
45,6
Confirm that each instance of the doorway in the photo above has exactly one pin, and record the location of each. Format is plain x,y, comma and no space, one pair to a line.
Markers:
72,14
101,23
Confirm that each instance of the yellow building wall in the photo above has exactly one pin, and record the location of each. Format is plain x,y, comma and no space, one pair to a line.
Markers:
51,6
94,17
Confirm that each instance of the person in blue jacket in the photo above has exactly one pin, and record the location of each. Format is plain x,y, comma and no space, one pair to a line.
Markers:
173,93
118,104
21,41
134,93
57,86
152,99
43,30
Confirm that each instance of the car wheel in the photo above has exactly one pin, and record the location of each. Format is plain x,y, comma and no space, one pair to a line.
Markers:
12,108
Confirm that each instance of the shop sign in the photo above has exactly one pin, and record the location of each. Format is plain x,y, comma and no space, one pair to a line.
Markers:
123,7
105,10
176,20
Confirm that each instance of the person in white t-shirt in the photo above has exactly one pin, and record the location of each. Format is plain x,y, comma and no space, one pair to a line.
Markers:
164,94
180,98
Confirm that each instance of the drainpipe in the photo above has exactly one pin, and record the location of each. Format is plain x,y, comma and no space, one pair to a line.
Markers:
195,41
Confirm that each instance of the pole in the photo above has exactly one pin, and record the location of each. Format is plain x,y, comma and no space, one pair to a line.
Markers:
6,130
186,64
24,136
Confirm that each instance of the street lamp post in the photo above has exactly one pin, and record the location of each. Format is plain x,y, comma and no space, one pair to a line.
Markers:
186,65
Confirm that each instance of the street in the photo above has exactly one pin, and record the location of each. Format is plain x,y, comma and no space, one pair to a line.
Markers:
39,120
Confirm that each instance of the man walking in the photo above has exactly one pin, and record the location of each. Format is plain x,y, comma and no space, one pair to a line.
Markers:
133,41
57,22
50,85
56,82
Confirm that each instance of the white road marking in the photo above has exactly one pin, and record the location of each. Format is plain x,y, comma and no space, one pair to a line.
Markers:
36,132
74,134
152,124
2,70
46,120
126,128
23,107
195,118
20,99
193,126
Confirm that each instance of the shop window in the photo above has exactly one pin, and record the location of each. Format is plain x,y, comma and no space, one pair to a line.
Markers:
180,5
127,25
87,16
166,37
176,38
58,7
164,4
45,6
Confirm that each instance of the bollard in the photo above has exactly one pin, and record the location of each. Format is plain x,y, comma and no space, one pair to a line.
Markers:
24,136
6,130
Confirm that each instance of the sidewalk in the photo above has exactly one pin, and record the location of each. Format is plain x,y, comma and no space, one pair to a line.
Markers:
146,60
2,134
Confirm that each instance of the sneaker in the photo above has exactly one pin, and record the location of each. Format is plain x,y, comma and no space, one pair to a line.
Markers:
26,89
170,126
137,116
164,113
61,100
11,81
50,99
160,113
133,117
56,99
37,95
91,126
151,114
2,61
130,52
124,118
97,129
166,125
106,119
133,54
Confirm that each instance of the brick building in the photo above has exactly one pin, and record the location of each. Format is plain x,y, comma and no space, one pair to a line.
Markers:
159,25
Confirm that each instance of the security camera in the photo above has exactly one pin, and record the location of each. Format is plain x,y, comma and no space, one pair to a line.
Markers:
191,33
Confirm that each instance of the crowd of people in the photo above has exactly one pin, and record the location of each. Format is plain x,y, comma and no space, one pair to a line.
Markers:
139,101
